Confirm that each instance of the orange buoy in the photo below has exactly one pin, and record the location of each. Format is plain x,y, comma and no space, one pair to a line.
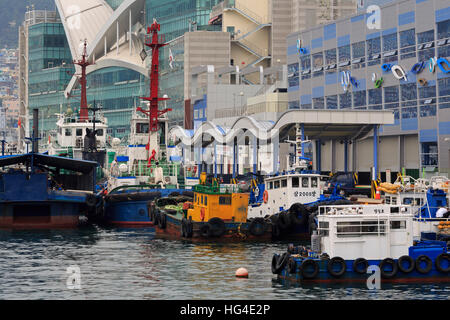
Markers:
241,273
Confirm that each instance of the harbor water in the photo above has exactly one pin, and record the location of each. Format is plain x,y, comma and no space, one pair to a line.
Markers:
133,264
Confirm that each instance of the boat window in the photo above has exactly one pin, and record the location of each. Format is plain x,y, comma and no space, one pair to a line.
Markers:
314,182
284,183
305,182
398,224
276,184
393,200
418,202
206,200
270,185
408,201
79,132
100,132
141,127
68,132
195,197
226,200
388,200
360,228
295,182
202,200
395,209
324,228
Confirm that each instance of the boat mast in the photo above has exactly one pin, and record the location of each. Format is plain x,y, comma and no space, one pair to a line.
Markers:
155,44
83,63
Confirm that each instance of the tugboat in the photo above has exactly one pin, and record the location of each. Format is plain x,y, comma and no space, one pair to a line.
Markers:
354,238
42,191
218,213
78,136
291,198
142,172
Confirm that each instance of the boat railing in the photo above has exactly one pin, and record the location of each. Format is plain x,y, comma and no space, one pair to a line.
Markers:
220,189
364,210
141,169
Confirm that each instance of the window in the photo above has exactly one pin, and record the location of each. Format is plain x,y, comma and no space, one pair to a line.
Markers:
68,132
225,200
295,182
408,44
202,200
409,91
359,52
276,184
427,92
375,96
408,201
391,94
330,56
142,127
270,185
305,182
373,48
332,102
284,183
409,113
293,75
319,103
398,224
444,87
428,111
360,228
422,38
344,53
443,29
305,62
425,37
390,44
317,60
444,51
314,182
100,132
324,228
359,98
79,132
345,100
206,200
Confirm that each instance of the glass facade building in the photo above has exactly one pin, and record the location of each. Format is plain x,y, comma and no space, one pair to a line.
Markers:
116,90
412,31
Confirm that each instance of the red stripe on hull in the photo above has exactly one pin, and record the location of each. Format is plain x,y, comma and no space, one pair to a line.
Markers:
133,223
173,232
432,279
39,222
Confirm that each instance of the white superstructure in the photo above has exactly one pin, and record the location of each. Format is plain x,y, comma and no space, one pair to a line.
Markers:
369,231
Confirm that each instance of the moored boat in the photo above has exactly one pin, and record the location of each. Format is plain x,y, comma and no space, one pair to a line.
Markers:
353,240
217,213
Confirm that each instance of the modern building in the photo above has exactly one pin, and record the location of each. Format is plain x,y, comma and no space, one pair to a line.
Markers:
49,41
350,65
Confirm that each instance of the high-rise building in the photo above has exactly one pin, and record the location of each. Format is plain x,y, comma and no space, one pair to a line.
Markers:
347,65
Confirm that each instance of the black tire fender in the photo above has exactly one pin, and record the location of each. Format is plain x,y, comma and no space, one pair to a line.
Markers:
332,262
304,269
438,262
409,260
357,263
257,227
386,274
427,260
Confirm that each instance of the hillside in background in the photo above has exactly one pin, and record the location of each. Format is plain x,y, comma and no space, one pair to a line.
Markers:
11,17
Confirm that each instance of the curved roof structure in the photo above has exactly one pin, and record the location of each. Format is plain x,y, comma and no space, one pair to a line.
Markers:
318,124
113,37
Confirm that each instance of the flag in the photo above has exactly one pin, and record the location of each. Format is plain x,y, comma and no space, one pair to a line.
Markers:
19,123
170,58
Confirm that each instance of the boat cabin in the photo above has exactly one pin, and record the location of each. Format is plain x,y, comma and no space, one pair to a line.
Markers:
369,231
284,190
225,202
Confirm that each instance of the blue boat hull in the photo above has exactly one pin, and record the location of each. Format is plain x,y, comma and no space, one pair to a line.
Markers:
132,212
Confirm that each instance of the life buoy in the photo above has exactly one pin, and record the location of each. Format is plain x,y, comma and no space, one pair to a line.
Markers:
305,269
388,274
342,267
202,214
439,259
428,262
357,265
410,264
265,196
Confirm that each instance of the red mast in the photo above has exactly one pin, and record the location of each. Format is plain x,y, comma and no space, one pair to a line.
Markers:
153,113
83,63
